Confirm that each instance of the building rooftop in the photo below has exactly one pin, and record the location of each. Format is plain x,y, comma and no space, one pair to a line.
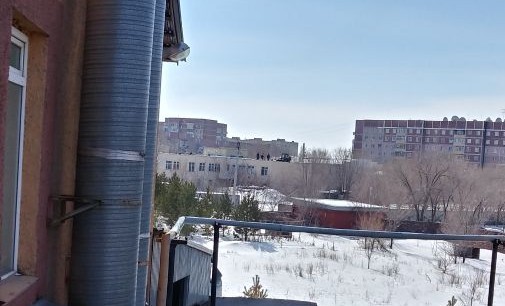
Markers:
339,204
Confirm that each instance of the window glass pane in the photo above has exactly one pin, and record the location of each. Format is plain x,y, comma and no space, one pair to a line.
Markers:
10,175
15,57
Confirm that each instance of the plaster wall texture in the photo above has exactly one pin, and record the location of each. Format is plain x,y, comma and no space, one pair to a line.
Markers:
55,30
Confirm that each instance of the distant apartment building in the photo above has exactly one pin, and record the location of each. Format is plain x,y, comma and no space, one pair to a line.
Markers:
479,142
190,135
208,137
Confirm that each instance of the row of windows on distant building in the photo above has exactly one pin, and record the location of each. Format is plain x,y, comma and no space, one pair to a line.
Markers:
443,132
211,167
456,141
413,147
499,157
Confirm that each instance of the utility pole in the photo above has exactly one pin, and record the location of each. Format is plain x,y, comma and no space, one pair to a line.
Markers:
235,174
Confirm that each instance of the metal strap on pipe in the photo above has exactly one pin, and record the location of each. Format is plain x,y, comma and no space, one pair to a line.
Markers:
120,202
330,231
145,236
112,154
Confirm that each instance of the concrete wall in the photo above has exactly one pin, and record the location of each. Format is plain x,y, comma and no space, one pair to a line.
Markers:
56,34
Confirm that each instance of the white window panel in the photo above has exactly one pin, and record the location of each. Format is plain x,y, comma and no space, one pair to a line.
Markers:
13,153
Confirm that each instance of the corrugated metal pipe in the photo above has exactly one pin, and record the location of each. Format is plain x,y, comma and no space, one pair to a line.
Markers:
112,143
150,153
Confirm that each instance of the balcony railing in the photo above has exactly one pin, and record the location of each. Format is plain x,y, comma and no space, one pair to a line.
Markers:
495,240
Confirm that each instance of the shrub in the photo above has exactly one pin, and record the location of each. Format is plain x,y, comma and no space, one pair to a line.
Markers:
255,291
452,301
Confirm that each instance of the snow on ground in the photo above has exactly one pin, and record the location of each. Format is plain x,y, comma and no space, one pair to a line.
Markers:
268,199
333,270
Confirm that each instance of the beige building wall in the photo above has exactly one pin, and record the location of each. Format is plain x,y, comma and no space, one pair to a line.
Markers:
300,179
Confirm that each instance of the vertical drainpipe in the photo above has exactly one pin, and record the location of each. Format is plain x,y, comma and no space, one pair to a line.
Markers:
150,153
112,139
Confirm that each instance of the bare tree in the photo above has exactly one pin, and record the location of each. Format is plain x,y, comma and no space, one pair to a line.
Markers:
371,220
468,211
475,282
493,182
318,156
349,171
423,180
308,185
444,253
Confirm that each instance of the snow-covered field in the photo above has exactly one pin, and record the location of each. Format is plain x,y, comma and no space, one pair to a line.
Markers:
333,270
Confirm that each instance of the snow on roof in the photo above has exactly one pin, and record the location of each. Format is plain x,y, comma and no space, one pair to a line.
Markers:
495,228
339,204
268,198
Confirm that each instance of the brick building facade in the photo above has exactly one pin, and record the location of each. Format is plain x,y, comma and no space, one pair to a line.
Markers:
209,137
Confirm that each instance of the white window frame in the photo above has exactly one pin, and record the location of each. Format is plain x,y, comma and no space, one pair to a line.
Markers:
18,77
264,171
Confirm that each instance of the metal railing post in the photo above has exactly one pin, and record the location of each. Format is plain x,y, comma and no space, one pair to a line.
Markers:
492,273
213,286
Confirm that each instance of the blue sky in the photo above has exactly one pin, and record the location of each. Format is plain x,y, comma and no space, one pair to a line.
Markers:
305,70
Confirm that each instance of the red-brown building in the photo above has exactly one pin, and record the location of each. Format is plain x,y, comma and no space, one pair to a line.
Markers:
336,213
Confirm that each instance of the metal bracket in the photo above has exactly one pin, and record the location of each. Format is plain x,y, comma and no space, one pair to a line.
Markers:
62,215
